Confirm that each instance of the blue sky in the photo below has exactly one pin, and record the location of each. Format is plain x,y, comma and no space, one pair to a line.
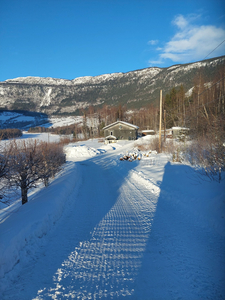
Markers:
71,38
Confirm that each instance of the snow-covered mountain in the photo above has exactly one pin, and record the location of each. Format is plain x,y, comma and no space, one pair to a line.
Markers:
135,88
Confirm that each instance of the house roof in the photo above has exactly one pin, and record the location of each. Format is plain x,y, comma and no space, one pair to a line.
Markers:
122,122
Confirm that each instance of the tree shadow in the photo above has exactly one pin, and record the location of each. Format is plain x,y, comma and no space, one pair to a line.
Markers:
183,259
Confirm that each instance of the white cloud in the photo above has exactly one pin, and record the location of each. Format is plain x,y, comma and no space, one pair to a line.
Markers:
154,63
153,42
180,21
191,42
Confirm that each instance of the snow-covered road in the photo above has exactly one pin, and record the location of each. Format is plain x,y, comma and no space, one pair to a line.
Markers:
124,236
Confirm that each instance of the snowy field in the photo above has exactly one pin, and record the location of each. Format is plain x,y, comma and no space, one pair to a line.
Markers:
66,121
47,137
12,119
9,119
111,229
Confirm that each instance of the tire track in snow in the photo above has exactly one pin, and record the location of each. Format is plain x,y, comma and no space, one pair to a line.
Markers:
107,264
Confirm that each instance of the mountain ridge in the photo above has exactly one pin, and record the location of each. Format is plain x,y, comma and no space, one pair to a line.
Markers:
55,96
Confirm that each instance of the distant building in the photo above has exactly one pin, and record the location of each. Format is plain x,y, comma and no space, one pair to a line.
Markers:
120,131
180,132
148,132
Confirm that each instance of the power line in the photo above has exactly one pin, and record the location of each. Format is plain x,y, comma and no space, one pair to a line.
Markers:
205,58
211,86
204,104
196,106
214,49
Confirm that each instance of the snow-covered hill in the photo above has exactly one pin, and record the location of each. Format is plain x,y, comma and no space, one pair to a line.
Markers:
111,229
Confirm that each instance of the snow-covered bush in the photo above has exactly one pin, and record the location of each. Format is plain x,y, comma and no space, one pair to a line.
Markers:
175,149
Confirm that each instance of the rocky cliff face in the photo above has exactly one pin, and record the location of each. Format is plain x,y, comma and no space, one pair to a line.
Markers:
136,88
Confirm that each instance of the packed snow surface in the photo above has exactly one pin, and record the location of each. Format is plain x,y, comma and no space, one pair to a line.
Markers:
111,229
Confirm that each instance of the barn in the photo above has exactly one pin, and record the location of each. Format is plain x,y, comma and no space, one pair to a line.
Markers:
120,130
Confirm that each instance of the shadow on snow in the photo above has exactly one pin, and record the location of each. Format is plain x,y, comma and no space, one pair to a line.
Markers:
93,250
113,244
184,258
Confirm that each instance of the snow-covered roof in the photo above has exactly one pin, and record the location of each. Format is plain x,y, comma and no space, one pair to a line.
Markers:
180,128
110,137
122,122
149,130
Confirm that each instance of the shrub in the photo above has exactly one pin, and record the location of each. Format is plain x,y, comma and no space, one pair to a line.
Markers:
208,155
148,144
10,133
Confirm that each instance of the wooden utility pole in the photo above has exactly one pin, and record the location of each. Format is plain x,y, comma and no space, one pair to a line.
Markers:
160,120
164,125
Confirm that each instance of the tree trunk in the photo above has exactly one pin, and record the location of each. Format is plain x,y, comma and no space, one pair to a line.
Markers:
23,186
46,181
24,195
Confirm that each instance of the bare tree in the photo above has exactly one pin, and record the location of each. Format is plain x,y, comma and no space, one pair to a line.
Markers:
30,162
4,170
24,164
52,159
3,174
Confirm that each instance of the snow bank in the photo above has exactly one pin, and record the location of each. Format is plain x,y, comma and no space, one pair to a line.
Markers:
180,185
87,149
30,222
74,152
